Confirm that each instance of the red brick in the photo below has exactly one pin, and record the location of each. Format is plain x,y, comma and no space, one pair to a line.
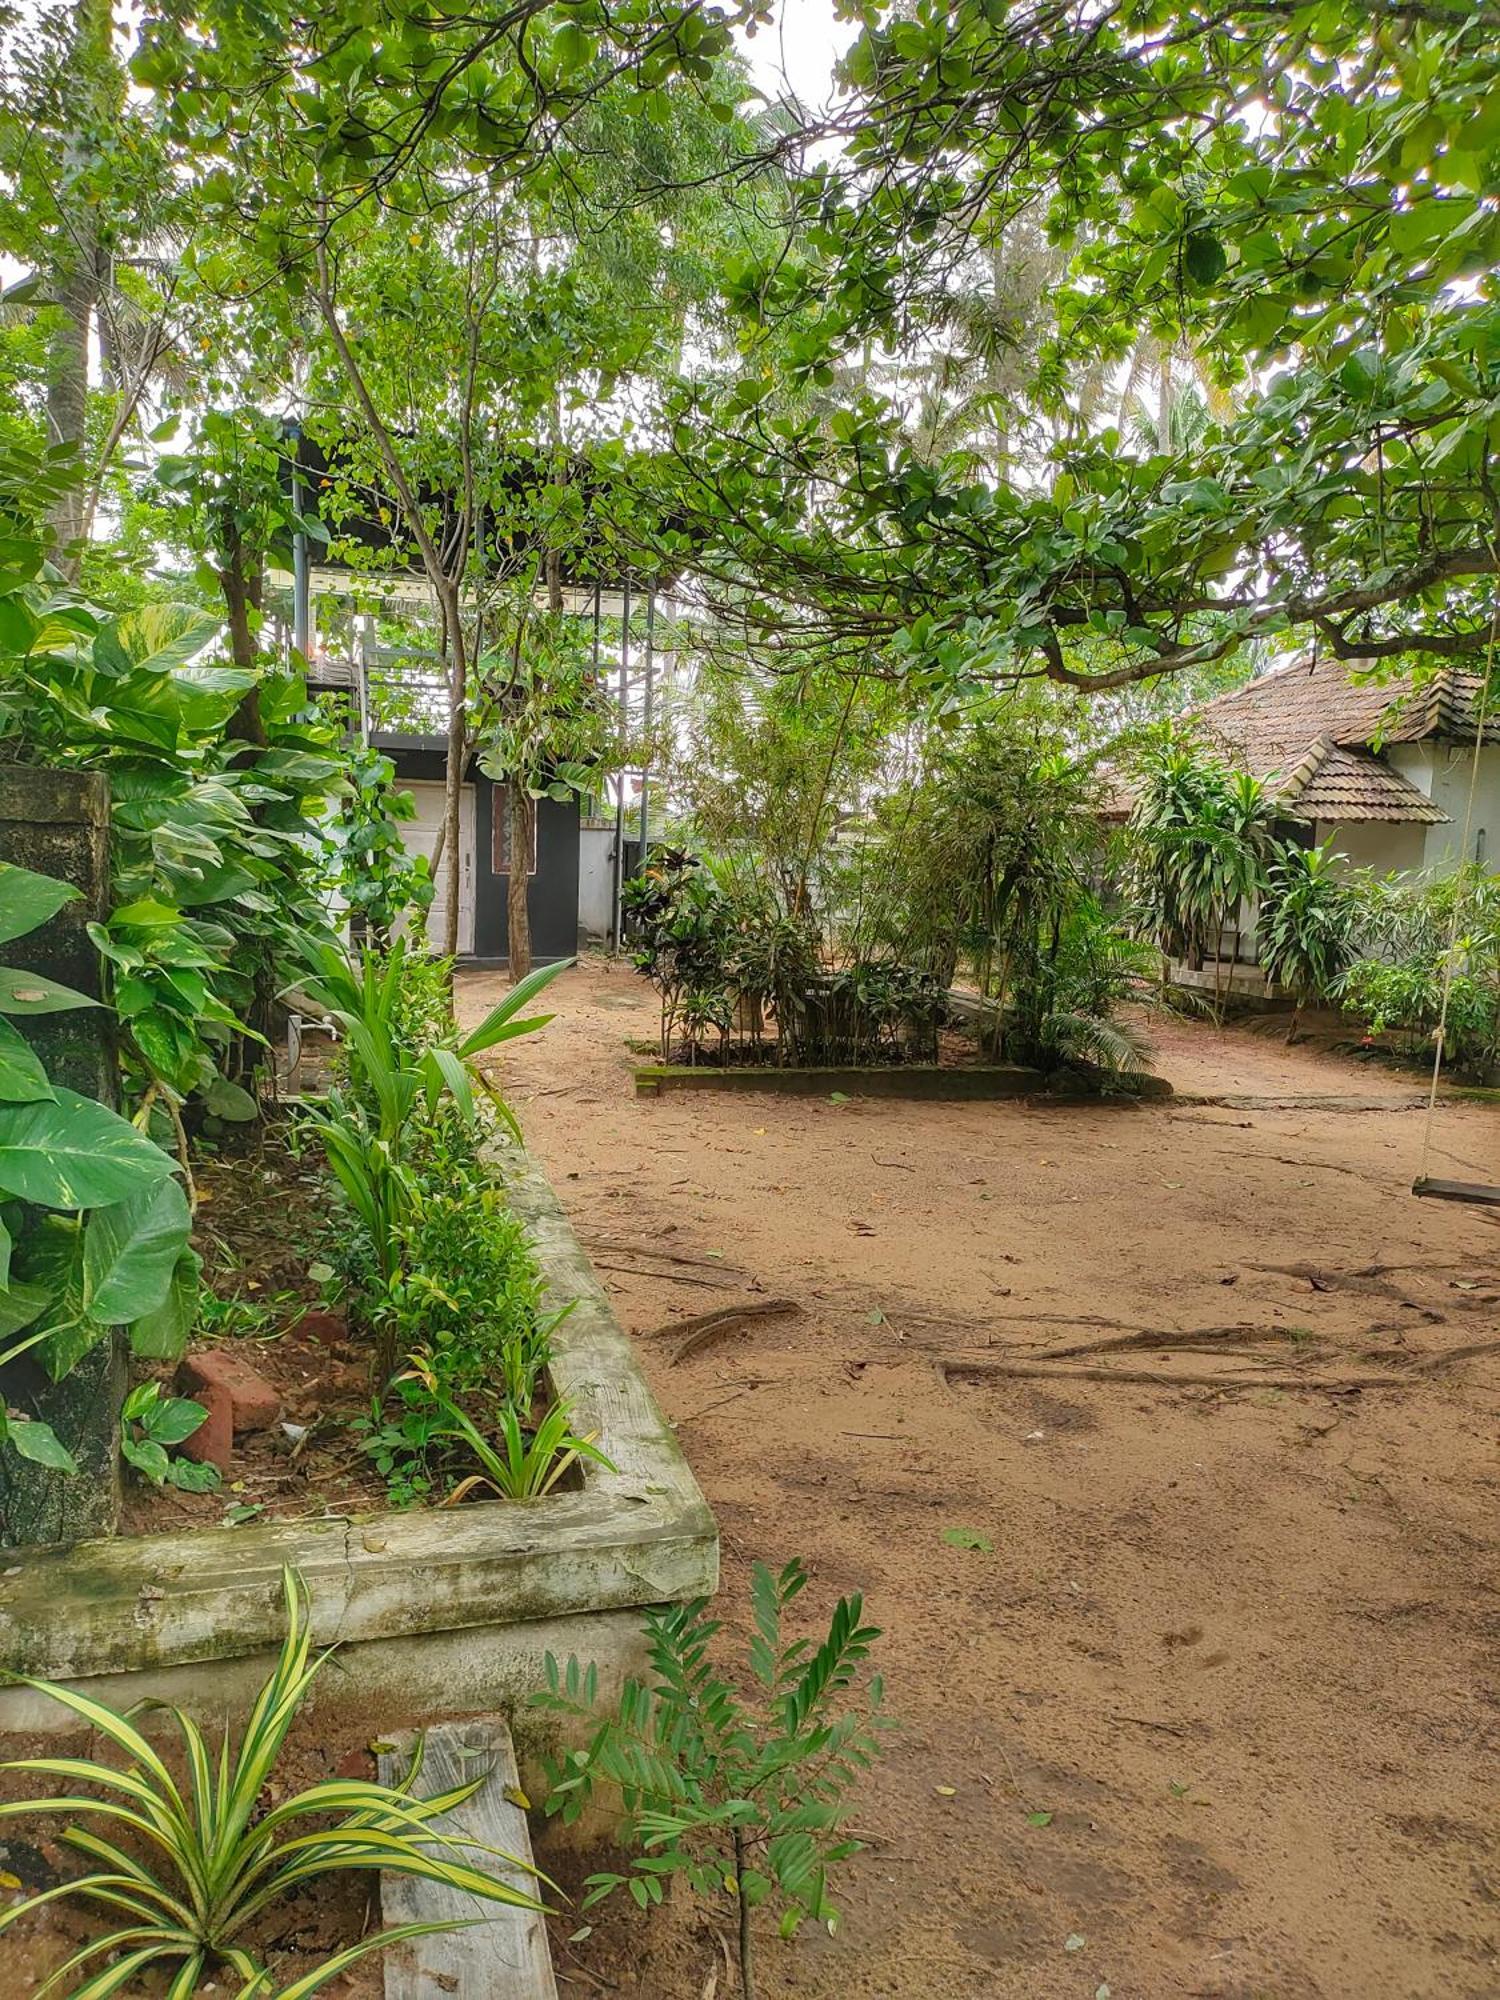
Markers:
213,1441
256,1405
328,1329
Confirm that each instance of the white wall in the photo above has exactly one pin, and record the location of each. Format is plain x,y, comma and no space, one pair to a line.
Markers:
1380,844
1443,771
596,848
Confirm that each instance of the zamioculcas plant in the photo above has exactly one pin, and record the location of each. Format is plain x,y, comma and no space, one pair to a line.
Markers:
204,1860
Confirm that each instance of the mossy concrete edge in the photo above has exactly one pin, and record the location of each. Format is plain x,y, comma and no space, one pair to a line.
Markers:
638,1535
926,1081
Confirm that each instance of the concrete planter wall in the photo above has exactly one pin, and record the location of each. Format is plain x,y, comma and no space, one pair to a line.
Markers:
905,1080
435,1611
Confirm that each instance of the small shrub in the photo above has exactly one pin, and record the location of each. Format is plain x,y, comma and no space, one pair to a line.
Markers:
153,1424
740,1797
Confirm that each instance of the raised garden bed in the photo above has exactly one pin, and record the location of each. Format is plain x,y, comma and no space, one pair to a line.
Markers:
448,1610
910,1080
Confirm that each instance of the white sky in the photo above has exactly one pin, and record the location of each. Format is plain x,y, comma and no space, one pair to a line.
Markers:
798,51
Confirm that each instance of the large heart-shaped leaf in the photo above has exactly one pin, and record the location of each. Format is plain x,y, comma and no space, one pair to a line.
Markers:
22,1078
40,1443
74,1153
162,1334
154,638
33,993
130,1253
21,1302
64,1333
28,900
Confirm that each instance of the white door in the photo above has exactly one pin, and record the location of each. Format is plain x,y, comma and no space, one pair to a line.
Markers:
420,837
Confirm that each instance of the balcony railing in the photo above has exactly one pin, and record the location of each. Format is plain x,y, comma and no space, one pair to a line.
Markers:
391,694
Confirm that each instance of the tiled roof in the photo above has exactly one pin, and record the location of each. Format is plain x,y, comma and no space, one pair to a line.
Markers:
1333,783
1315,727
1273,720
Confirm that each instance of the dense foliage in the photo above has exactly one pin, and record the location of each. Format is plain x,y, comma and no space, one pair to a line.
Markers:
440,1272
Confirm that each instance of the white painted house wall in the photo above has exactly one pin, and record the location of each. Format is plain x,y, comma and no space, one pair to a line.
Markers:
1443,771
1383,845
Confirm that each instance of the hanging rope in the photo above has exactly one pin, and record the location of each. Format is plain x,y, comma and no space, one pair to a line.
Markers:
1441,1035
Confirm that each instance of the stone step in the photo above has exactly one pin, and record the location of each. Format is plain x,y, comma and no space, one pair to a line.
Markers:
506,1957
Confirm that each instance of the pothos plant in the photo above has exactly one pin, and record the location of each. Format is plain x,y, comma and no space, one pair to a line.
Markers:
218,775
380,880
93,1224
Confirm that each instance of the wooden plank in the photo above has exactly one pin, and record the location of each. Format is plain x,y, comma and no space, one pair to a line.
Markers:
1438,1190
505,1958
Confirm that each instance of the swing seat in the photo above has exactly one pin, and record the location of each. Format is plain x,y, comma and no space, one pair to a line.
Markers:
1438,1190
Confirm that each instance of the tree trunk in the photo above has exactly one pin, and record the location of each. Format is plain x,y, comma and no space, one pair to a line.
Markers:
77,265
747,1968
75,291
240,581
521,808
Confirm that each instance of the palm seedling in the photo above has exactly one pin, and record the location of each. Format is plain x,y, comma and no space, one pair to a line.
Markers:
202,1861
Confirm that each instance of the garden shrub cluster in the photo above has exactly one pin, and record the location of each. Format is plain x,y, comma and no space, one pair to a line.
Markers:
856,869
440,1272
726,960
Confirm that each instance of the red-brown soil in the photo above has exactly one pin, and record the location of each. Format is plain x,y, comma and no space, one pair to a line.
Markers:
1238,1640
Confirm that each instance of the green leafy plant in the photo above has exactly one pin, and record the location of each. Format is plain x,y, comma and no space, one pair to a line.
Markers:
218,776
218,1853
1405,927
1308,925
398,1436
526,1465
93,1226
153,1424
748,1797
466,1292
381,882
367,1132
1202,841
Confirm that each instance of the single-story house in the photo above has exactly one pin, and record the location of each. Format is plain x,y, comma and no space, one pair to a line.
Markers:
1380,768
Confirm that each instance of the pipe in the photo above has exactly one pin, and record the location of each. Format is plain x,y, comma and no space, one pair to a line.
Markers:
646,730
616,925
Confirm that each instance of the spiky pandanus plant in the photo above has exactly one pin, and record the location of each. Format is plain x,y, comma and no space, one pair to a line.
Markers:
201,1866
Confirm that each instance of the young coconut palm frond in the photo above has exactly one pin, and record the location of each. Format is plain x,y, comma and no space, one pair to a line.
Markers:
199,1866
1108,1045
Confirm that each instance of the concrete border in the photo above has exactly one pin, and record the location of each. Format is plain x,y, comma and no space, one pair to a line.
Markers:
981,1082
854,1079
513,1575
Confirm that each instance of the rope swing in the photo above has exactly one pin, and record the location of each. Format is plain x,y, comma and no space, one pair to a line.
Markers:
1425,1184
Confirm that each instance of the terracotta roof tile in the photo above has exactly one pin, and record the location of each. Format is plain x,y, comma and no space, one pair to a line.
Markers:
1333,782
1315,727
1272,721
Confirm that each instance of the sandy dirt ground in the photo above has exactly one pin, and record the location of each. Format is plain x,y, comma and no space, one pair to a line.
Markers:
1237,1633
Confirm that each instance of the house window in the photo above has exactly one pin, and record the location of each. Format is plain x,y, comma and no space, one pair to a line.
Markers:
500,833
